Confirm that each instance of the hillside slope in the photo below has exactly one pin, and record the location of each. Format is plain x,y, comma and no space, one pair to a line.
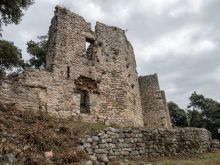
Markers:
25,136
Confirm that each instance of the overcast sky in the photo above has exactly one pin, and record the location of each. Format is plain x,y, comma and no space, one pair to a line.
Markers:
178,39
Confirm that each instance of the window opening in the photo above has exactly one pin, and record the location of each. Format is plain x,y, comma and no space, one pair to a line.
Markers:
84,102
89,48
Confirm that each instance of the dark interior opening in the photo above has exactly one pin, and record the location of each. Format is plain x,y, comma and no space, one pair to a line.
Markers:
84,102
68,72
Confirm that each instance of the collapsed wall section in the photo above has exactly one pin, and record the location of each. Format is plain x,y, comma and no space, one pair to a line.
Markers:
154,106
27,90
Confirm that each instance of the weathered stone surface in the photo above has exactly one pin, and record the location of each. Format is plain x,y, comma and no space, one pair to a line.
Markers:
216,144
103,158
89,162
154,105
90,76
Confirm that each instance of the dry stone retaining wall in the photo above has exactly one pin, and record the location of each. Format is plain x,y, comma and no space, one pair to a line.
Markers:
134,143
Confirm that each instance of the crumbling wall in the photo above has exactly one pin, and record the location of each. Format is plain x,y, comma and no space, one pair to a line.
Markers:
119,89
154,106
108,61
133,143
27,90
92,69
166,109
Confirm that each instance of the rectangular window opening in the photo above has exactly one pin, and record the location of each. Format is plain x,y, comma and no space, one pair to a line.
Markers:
68,72
89,48
84,102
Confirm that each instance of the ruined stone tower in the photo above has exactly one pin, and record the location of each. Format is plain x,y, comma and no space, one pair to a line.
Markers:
90,76
154,105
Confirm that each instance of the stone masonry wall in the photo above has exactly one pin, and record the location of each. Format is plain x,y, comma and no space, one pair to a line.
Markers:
99,65
26,93
154,105
166,109
119,88
105,70
134,143
109,61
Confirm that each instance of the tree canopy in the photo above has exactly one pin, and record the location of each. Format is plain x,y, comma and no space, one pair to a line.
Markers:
10,56
37,51
11,11
178,115
201,112
207,112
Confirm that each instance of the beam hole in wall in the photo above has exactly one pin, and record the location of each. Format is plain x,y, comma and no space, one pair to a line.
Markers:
51,67
84,102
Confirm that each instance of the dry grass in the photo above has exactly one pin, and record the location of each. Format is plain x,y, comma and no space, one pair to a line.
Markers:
28,135
203,159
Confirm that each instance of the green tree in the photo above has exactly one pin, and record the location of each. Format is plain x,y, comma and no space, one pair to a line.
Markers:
11,11
196,119
38,52
178,115
206,113
10,56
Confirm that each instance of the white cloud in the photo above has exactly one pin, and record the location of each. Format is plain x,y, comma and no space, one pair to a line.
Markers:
188,7
203,46
88,9
174,8
216,75
158,6
181,42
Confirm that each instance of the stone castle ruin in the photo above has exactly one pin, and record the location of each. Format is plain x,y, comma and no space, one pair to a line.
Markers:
90,76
